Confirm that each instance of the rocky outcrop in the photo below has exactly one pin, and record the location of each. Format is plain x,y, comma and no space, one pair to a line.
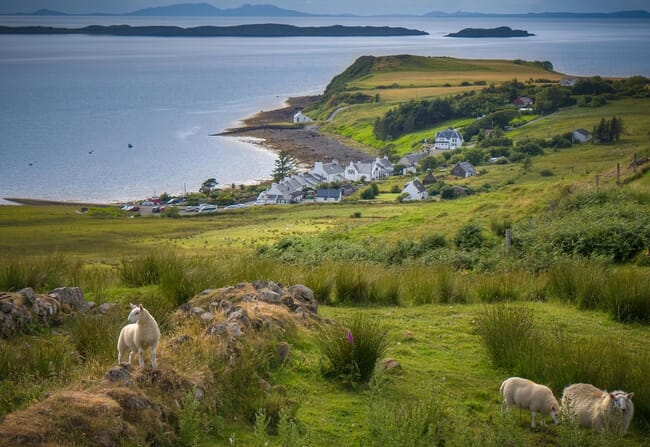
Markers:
261,305
24,310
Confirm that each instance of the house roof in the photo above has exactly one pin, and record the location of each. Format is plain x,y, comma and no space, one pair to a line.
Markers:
523,101
329,193
416,184
332,168
448,134
385,163
429,179
584,132
466,167
412,159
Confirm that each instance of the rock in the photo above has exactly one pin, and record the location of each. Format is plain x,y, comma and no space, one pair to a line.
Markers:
181,339
269,296
283,351
72,296
305,296
28,294
207,316
6,307
119,374
106,307
197,310
389,363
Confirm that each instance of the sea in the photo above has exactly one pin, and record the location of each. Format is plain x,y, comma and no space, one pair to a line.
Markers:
101,119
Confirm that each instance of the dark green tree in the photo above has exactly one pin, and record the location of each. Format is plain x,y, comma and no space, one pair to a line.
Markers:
208,186
285,165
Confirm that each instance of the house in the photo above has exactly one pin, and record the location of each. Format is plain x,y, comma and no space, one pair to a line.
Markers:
523,102
429,179
463,169
568,81
448,139
410,161
380,167
414,190
329,195
580,136
331,172
301,118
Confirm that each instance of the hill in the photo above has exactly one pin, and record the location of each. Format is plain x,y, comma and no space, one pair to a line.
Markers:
502,31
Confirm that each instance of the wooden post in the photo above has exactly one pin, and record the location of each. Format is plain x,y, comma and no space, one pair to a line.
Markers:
634,163
597,181
618,173
508,240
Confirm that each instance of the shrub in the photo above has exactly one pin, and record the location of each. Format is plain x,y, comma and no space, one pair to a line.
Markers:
93,336
352,352
627,296
469,237
190,423
581,283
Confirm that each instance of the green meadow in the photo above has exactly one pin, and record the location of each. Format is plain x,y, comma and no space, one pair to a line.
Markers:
568,301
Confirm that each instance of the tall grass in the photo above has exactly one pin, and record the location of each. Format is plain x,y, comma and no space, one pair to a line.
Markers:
352,350
628,295
578,282
41,273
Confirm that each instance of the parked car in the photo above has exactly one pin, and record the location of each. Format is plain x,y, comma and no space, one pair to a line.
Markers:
130,207
157,209
208,208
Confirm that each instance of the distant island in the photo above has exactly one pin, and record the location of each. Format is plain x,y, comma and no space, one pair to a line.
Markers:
253,30
248,10
502,31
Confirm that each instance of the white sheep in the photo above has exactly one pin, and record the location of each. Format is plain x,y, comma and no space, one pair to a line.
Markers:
529,395
594,408
142,334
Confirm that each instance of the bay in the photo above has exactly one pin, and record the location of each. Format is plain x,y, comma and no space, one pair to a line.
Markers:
72,105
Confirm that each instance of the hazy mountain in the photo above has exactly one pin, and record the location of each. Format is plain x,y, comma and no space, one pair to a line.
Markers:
639,14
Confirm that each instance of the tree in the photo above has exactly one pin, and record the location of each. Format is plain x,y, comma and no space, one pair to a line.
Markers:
285,165
208,186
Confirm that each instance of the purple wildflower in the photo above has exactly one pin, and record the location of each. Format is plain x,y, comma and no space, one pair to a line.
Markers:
350,337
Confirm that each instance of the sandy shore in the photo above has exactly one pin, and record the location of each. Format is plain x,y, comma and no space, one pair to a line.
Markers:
306,144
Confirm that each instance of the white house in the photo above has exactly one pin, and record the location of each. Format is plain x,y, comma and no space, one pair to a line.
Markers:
331,172
581,136
448,139
568,81
329,195
414,190
301,118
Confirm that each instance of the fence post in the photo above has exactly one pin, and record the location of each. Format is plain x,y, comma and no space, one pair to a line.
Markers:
508,239
618,173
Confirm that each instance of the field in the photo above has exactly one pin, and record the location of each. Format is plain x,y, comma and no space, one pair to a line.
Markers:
568,302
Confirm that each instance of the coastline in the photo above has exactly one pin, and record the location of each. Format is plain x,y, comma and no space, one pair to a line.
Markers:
277,132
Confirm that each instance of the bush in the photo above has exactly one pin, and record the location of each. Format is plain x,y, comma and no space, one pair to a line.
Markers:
352,352
469,237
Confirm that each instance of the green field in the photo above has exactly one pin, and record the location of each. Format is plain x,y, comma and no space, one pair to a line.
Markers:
570,297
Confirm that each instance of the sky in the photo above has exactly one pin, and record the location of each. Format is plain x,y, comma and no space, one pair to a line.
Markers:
359,7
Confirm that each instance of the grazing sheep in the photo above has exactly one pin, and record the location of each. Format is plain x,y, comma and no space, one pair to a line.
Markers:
529,395
594,408
143,333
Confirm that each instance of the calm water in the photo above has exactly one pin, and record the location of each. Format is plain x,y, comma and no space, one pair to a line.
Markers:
72,105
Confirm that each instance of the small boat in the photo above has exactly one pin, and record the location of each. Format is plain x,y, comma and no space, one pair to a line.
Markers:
130,145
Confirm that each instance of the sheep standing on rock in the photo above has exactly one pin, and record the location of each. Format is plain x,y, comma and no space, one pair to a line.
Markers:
594,408
142,334
529,395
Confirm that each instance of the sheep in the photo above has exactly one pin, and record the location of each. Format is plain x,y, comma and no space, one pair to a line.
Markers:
529,395
143,333
594,408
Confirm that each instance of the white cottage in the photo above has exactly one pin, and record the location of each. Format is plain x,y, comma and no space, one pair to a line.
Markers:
331,172
414,190
448,139
301,118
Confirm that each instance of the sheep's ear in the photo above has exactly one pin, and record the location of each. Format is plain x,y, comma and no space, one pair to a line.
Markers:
140,306
133,306
630,395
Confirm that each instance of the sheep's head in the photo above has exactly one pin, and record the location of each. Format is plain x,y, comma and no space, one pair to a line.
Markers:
622,401
135,313
555,414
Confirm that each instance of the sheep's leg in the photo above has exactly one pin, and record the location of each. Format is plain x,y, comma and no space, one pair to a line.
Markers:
141,357
532,423
130,357
153,358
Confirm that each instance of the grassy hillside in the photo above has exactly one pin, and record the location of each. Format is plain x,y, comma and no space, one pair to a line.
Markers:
568,302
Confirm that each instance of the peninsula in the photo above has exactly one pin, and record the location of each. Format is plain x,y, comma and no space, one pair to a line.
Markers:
252,30
502,31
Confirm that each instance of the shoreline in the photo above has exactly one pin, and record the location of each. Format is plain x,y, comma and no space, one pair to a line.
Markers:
277,132
274,130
